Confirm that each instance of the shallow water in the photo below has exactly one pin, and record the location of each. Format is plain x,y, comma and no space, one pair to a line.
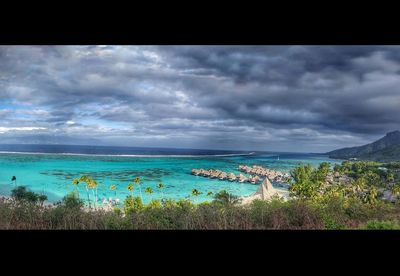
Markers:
52,174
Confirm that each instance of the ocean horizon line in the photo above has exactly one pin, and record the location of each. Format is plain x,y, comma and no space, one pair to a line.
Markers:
228,151
127,155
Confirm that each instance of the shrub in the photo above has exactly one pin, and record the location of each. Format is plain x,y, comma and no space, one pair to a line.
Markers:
225,198
115,222
154,204
42,198
381,225
169,203
185,204
22,194
72,201
117,211
301,215
132,204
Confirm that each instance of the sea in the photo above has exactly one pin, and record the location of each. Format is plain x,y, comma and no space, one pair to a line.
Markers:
50,170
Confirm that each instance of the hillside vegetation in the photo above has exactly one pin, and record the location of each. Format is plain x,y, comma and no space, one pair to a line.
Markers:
383,150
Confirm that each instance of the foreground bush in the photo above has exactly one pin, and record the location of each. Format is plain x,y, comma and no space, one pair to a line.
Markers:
21,193
382,225
72,201
170,214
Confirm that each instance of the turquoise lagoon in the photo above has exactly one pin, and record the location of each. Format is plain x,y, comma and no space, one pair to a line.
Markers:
52,173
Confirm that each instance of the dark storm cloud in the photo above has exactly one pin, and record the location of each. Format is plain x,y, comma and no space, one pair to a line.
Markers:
312,98
349,88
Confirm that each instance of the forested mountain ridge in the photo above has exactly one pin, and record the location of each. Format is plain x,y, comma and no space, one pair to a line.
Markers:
385,149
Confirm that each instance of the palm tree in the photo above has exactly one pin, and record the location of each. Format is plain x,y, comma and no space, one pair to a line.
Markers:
114,188
149,191
210,193
75,182
395,190
390,177
371,196
226,198
85,179
130,188
195,192
137,181
160,186
42,198
92,184
14,179
359,185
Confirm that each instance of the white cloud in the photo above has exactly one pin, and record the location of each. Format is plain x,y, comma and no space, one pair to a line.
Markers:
8,129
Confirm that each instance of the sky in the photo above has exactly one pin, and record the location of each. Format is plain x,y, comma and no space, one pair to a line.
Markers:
268,98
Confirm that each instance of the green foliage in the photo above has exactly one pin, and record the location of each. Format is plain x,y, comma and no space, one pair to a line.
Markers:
22,194
130,187
42,198
132,204
196,192
225,198
205,203
390,177
330,223
320,174
72,201
363,169
302,174
117,211
91,184
307,181
381,225
184,204
169,203
395,190
363,180
371,196
393,165
335,213
160,186
154,204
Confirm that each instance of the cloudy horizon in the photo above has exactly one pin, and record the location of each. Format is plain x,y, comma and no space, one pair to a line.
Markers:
267,98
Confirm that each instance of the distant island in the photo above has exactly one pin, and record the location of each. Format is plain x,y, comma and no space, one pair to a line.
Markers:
383,150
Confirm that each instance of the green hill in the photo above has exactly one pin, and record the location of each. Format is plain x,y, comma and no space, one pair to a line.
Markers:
383,150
